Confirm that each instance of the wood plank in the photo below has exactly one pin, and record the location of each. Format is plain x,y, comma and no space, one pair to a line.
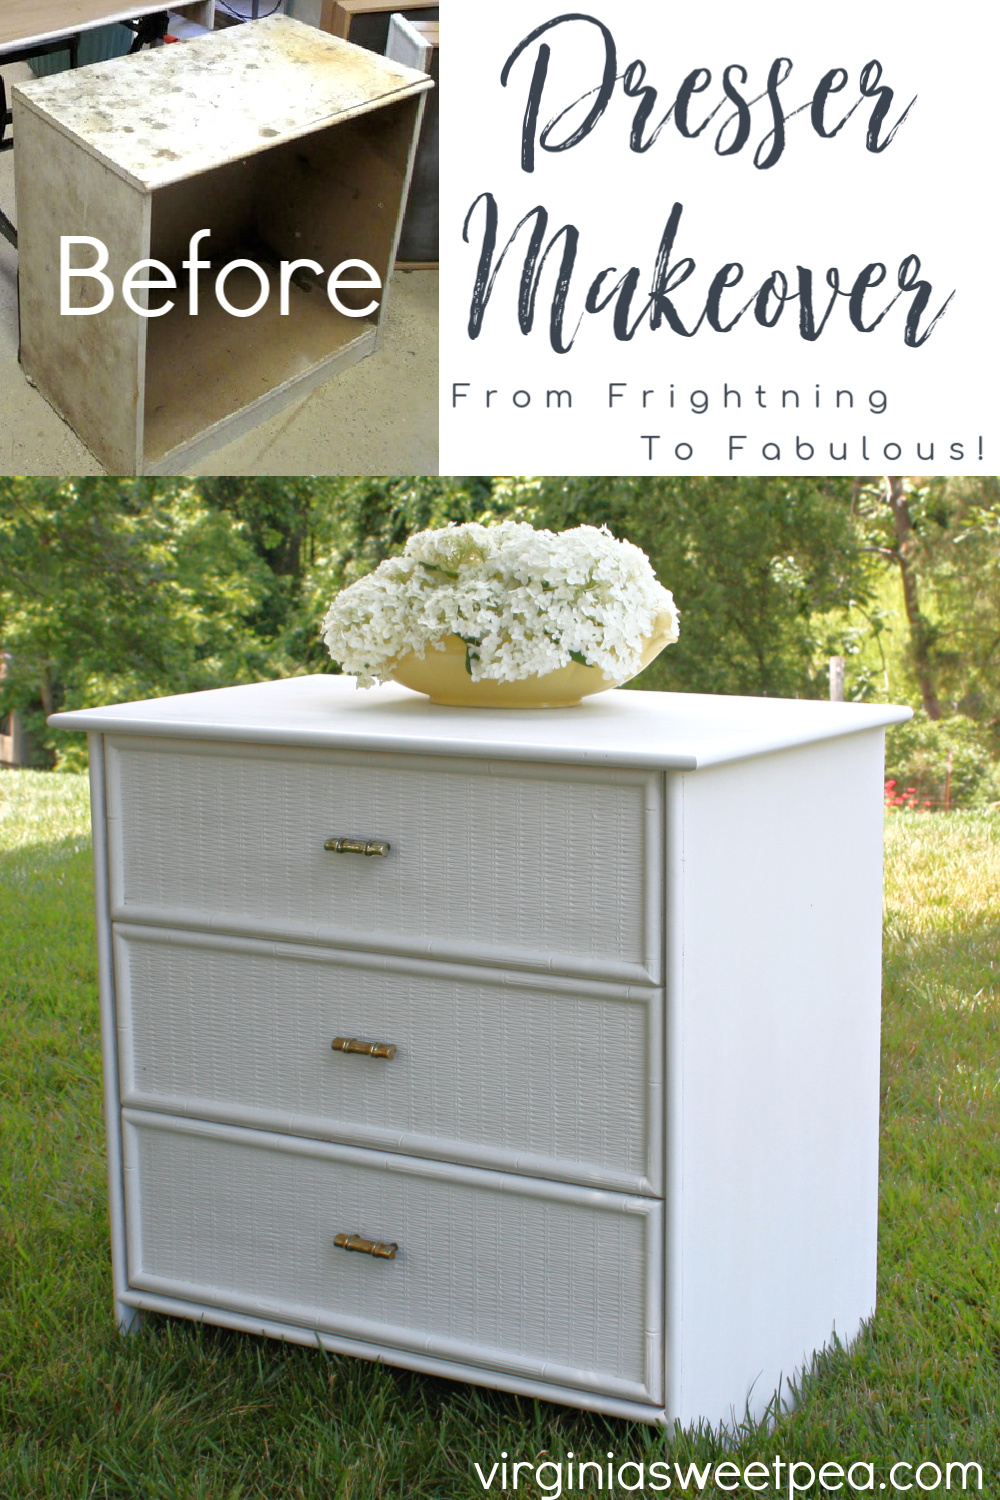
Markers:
338,17
25,21
415,43
408,44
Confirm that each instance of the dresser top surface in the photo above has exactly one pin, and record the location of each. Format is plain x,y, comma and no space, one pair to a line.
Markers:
657,731
172,112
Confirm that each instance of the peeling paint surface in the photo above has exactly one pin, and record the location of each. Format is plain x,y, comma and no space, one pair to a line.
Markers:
173,112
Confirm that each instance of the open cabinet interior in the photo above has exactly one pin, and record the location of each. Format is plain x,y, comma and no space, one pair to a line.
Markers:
328,197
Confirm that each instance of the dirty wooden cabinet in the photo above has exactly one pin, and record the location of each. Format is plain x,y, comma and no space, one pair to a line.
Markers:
560,1075
287,145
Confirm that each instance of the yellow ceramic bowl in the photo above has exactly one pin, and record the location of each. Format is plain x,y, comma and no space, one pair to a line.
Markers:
442,676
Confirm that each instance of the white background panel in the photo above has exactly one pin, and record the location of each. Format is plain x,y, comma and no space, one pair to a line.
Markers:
825,203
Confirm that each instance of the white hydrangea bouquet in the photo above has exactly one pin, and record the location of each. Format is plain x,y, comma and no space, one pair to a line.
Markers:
519,604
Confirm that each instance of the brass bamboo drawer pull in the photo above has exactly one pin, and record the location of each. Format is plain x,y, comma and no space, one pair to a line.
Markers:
367,1247
357,846
367,1049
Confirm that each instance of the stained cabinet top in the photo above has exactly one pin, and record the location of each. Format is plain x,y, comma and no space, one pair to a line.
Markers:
623,727
171,113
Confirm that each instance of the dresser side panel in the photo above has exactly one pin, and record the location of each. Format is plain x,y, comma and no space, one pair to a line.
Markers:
546,1076
774,1068
126,1315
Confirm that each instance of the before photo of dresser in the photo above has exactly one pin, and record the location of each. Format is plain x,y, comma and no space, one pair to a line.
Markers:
534,1048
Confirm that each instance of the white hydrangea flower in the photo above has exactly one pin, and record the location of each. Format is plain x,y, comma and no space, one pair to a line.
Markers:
524,601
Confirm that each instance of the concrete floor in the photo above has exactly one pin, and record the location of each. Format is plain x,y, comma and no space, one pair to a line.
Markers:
378,417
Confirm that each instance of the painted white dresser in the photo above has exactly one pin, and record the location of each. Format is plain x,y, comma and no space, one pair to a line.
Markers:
537,1049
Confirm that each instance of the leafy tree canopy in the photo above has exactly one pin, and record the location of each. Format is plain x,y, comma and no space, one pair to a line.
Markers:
750,562
113,589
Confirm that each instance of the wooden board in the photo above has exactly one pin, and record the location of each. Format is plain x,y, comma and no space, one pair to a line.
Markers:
366,22
409,42
415,44
623,727
26,21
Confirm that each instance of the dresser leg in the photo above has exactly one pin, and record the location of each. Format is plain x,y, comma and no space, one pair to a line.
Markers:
129,1319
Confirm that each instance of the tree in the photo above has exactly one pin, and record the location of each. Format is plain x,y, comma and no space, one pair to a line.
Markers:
278,516
751,564
903,546
942,536
112,589
115,588
965,578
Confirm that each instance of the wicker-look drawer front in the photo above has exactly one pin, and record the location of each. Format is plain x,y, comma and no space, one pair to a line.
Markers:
558,1077
547,867
540,1279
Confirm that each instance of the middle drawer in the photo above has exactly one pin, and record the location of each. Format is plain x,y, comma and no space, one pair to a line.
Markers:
556,1078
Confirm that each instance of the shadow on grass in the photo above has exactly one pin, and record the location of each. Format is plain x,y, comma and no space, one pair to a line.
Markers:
34,860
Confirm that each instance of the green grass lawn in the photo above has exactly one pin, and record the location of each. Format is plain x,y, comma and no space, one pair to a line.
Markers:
186,1411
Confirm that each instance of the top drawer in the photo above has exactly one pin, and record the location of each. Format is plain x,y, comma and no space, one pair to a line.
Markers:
539,867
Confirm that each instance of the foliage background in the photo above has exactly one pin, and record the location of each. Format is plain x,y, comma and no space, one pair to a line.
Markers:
112,589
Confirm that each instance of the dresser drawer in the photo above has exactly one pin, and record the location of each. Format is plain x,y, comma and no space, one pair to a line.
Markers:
552,1078
510,1273
549,867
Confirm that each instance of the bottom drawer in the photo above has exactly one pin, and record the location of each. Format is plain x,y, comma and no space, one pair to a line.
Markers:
510,1273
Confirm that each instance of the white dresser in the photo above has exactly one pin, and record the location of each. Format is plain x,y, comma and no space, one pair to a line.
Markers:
537,1049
